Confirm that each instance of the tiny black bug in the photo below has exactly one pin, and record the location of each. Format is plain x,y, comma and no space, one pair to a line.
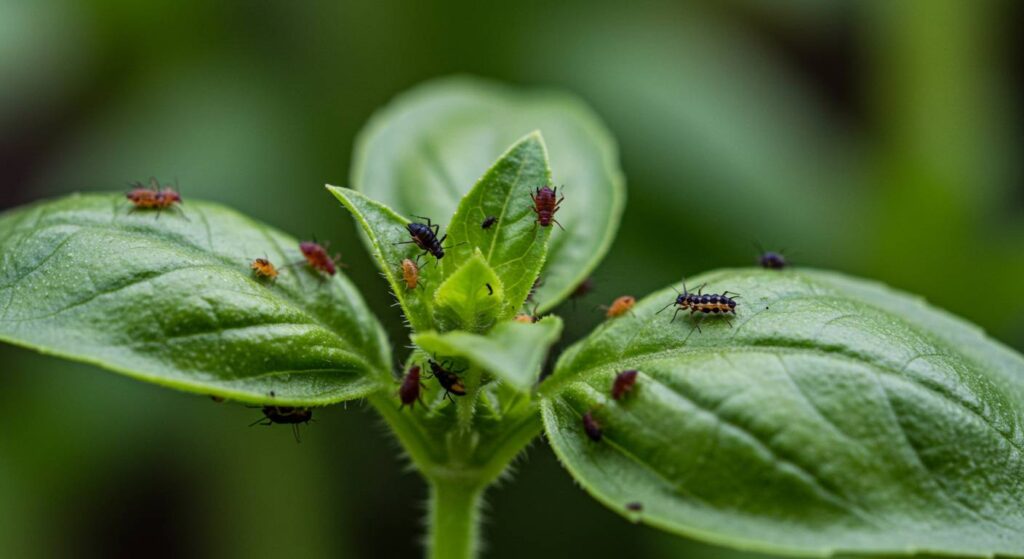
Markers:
634,507
770,259
447,378
285,415
409,391
490,290
592,427
706,303
424,235
489,221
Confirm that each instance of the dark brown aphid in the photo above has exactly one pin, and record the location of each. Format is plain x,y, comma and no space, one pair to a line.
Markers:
447,378
770,259
217,399
285,415
263,269
585,287
620,306
410,273
152,197
488,222
317,258
634,507
623,383
409,391
592,427
424,235
706,303
546,203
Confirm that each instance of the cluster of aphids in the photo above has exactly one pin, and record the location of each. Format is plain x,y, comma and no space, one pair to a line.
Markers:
410,391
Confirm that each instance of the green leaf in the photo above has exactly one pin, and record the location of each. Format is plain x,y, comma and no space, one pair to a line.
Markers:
835,416
424,151
515,246
471,299
513,352
388,240
170,298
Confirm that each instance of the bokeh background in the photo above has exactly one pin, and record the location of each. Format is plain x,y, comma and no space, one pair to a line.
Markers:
878,138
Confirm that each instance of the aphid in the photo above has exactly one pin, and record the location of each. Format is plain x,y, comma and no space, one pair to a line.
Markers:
488,222
585,287
409,391
263,269
706,303
634,507
410,273
770,259
152,197
447,378
526,318
546,203
217,399
592,427
490,290
285,415
623,383
424,235
317,258
620,306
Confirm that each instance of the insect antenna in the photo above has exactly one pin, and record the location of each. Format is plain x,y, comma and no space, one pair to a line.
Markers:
259,421
665,307
295,432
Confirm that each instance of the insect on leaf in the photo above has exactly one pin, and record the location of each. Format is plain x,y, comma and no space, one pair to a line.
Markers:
835,416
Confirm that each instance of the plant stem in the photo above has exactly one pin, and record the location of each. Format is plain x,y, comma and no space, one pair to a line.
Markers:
454,519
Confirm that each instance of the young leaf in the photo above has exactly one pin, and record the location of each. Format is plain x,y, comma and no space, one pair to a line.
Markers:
472,298
424,151
511,351
170,298
514,245
390,244
835,416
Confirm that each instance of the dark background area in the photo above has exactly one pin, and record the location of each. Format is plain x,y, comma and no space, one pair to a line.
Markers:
882,139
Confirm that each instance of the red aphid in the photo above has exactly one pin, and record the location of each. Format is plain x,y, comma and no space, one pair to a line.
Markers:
317,257
546,203
409,391
623,383
152,197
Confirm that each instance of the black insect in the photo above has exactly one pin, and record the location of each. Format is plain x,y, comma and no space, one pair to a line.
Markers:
285,415
447,378
409,391
634,507
770,259
488,222
490,290
706,303
592,427
424,235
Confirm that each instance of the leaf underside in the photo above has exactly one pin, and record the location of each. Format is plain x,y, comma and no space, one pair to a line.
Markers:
170,298
835,416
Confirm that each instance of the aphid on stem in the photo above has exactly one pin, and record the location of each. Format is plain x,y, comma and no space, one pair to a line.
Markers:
285,415
705,303
546,203
410,390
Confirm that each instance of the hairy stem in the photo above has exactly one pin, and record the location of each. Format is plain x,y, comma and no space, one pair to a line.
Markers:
454,519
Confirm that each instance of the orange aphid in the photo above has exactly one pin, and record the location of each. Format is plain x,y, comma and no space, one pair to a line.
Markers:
263,269
153,197
621,306
410,273
526,318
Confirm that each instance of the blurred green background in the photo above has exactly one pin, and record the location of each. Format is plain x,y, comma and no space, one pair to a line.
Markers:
877,138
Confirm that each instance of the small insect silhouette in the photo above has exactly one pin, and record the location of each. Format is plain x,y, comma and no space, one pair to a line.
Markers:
488,222
285,415
592,427
410,273
705,303
623,383
770,259
410,391
263,269
153,197
447,378
317,258
546,203
620,306
635,507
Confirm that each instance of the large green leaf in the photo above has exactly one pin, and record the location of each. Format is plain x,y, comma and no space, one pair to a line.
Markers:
170,298
835,416
424,151
515,246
